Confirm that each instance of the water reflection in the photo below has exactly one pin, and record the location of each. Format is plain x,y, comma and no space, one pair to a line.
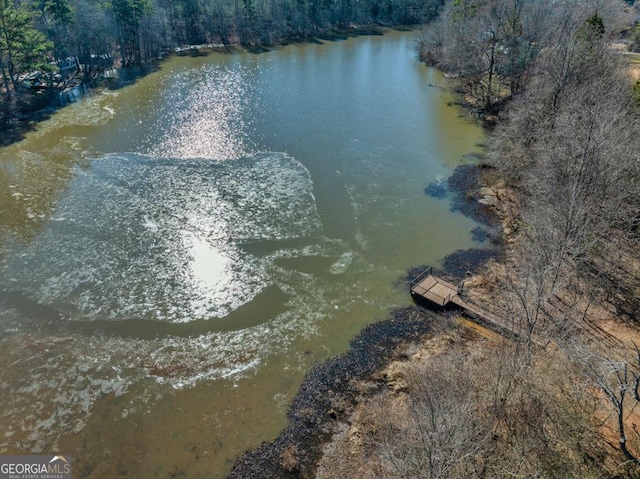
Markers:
208,264
204,115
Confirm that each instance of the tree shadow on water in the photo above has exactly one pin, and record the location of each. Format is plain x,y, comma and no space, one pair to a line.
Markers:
130,75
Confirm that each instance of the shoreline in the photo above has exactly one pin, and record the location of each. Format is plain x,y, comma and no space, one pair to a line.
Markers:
326,396
332,390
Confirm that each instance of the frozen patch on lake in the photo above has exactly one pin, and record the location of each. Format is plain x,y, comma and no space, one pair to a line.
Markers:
52,382
156,238
342,264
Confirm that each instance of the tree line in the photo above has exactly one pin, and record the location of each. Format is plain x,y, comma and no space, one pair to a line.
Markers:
566,144
495,48
34,34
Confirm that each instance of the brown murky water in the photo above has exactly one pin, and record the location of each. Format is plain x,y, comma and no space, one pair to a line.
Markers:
177,253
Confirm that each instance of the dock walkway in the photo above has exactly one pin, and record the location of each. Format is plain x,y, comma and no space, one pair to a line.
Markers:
440,290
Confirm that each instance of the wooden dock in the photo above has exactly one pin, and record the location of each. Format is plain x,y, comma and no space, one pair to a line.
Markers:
432,286
441,291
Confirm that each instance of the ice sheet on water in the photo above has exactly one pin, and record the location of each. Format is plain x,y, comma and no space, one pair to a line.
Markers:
53,382
155,238
342,264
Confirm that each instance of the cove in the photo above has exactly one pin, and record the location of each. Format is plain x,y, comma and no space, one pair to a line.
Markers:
177,254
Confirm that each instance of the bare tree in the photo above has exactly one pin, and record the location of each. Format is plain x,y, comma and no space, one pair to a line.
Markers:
619,380
442,432
470,415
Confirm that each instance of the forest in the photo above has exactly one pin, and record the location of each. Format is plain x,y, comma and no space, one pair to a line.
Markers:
45,43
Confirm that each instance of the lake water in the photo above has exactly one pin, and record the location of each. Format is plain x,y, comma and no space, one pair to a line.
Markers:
177,253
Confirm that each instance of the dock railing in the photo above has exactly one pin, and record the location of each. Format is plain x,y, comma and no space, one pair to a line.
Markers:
438,274
415,281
